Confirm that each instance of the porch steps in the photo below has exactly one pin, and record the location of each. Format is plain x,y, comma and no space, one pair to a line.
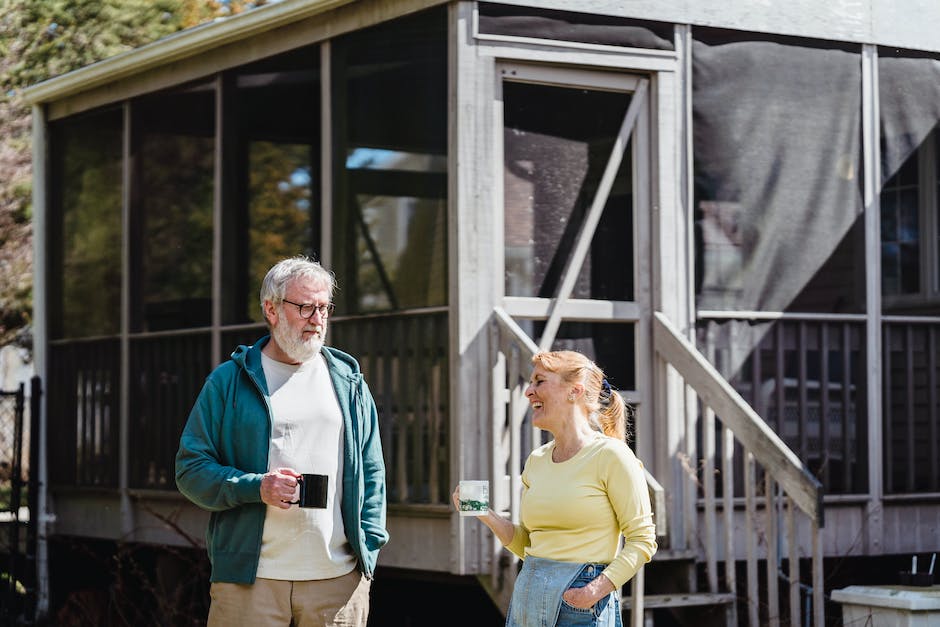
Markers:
673,594
687,607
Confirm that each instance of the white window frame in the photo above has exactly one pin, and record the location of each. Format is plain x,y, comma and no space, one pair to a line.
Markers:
552,310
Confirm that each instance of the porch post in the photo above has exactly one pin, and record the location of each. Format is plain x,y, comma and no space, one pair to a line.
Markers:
872,173
40,343
474,255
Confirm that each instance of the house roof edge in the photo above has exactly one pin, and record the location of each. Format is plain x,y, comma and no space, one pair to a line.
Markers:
175,47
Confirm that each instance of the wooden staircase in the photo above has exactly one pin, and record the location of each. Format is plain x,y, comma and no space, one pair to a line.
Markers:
708,530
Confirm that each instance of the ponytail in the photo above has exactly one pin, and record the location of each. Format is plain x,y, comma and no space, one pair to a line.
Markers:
606,409
612,416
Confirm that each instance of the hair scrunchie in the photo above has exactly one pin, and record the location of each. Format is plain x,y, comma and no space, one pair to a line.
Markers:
604,397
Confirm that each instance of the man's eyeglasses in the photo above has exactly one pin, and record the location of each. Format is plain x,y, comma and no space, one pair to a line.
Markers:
307,309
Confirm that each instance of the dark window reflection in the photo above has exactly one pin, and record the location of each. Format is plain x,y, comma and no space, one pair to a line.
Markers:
900,231
276,174
174,161
85,294
557,142
390,109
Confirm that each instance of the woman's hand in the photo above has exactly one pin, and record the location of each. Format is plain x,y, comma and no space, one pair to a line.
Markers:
503,528
585,598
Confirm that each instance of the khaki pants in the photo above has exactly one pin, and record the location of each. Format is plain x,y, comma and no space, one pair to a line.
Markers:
339,602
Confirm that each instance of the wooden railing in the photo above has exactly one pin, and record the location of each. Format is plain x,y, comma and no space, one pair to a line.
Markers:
404,357
911,393
167,371
805,376
83,408
783,471
514,438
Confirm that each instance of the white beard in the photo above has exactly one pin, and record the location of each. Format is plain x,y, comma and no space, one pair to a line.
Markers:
295,347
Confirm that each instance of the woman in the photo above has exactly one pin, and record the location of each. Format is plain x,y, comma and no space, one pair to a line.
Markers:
580,493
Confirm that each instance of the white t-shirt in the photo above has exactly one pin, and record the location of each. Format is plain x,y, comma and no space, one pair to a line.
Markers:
307,435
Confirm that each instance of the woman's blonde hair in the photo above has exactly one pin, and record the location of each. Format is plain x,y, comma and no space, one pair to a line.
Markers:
606,409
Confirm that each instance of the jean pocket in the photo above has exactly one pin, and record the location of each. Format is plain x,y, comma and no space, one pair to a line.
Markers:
570,616
568,606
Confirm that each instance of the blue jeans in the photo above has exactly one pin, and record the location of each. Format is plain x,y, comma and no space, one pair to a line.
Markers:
537,596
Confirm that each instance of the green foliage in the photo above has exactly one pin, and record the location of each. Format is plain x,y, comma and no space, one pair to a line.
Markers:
57,36
41,39
17,584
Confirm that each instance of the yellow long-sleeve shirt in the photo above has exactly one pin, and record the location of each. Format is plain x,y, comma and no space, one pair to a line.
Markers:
577,510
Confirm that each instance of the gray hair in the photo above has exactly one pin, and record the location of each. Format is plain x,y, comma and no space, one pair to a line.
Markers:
275,282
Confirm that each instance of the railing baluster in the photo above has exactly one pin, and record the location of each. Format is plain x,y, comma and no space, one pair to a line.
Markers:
823,472
887,427
909,404
848,454
780,383
773,590
727,473
802,383
757,396
515,446
397,409
793,564
410,342
708,483
498,470
932,403
434,425
819,609
750,529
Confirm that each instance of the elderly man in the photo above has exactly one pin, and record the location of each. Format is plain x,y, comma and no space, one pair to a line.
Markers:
277,410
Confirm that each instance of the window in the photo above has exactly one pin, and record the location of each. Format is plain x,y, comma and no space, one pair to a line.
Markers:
272,202
390,108
172,208
85,290
910,233
553,161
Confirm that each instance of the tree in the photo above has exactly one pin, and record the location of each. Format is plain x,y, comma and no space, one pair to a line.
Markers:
41,39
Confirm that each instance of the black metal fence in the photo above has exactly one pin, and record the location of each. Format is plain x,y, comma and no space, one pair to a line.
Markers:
18,490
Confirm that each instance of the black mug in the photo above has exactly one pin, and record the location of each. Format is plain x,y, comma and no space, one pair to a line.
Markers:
313,490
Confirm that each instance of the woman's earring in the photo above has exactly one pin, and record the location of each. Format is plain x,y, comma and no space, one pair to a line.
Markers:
571,398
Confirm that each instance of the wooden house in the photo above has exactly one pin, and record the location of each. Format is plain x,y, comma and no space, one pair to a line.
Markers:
734,208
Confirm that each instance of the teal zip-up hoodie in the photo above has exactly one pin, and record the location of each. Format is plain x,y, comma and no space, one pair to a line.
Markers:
224,453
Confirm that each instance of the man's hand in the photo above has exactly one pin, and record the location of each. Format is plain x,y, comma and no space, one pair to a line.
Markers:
279,486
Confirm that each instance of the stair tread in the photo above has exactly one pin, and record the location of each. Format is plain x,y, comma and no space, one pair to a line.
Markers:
663,555
682,599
